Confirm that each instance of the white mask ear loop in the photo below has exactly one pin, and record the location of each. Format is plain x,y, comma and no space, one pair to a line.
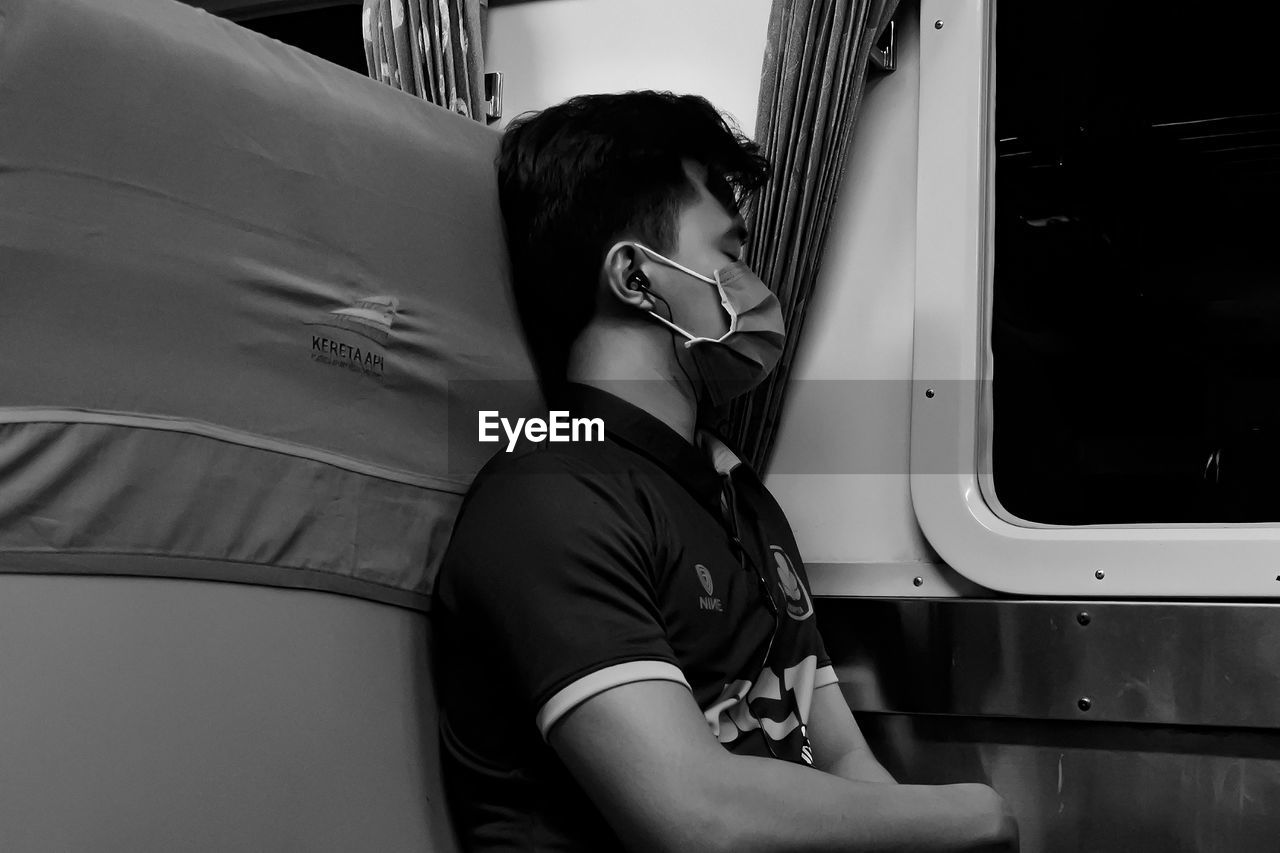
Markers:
724,302
664,321
663,259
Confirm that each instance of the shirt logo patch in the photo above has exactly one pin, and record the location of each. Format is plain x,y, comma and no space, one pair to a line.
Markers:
707,602
799,606
704,575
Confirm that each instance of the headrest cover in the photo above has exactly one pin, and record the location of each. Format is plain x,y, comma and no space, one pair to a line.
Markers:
244,289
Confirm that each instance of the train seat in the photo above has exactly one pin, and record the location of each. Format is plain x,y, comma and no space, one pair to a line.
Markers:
251,303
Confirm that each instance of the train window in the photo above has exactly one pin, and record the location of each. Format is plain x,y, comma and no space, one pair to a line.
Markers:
330,30
1097,327
1135,313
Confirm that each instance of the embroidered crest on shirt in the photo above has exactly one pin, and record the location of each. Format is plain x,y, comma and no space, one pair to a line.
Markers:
704,575
708,601
799,606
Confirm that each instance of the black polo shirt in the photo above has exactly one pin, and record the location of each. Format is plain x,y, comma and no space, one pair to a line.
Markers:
578,567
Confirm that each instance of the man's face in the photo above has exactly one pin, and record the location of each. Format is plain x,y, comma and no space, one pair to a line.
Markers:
708,237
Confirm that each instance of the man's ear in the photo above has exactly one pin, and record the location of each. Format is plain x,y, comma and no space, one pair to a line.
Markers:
624,277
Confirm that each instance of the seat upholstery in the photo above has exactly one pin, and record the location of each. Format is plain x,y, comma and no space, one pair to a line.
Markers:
252,302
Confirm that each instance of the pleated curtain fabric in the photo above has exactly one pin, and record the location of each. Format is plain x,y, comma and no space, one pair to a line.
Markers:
428,48
814,74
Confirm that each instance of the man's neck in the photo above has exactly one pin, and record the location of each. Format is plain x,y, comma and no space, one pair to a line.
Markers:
632,366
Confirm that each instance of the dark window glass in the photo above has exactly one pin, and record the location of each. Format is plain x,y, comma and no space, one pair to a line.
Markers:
330,32
1136,304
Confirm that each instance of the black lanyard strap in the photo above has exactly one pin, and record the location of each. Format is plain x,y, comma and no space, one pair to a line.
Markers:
729,508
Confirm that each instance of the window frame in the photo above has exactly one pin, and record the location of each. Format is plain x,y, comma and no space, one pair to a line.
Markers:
951,484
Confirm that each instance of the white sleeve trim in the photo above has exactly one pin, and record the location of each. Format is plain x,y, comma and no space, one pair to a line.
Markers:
595,683
824,676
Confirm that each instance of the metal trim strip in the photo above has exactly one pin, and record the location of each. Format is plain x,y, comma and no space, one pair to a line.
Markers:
1165,663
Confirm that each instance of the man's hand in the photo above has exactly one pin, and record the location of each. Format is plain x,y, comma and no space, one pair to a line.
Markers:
644,754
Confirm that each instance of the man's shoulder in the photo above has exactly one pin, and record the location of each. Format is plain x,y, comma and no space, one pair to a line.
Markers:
563,461
558,508
551,481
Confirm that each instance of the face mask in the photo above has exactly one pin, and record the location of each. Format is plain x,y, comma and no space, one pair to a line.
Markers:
742,357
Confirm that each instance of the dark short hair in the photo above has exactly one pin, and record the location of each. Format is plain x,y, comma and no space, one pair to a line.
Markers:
575,177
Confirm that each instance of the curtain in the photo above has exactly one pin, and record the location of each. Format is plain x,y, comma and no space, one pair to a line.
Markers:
814,74
428,48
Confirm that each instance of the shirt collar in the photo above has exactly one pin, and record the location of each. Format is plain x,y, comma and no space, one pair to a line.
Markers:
698,470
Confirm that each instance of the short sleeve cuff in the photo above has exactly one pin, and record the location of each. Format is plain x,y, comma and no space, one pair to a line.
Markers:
597,682
824,676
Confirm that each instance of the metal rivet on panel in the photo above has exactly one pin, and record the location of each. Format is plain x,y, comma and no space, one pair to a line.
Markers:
918,581
1099,574
928,392
937,25
1085,703
1083,617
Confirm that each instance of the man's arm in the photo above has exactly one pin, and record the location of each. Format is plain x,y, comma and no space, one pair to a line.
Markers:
838,745
643,753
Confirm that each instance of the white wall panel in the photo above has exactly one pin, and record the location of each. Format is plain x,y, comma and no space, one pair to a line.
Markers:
840,466
553,49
